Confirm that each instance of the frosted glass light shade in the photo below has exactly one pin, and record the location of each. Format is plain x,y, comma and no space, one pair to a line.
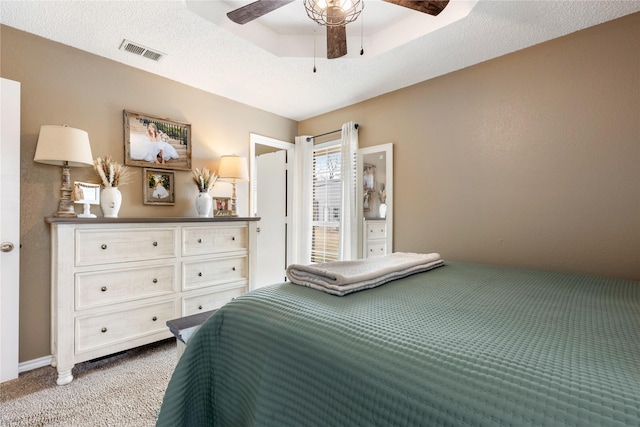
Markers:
60,144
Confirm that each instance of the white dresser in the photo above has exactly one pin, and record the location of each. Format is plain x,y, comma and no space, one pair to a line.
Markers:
375,238
116,281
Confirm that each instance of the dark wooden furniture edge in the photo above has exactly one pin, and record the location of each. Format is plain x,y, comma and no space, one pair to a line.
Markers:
177,326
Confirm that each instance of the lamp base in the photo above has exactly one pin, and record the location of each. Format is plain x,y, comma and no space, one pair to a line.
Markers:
234,211
65,208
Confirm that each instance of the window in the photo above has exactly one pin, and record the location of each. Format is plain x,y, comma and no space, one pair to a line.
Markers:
327,202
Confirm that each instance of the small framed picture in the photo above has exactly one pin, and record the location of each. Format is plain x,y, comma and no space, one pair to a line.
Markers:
87,194
222,206
369,177
156,142
157,187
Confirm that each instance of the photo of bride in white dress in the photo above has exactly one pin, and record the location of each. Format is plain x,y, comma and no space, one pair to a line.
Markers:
156,142
152,146
158,187
159,191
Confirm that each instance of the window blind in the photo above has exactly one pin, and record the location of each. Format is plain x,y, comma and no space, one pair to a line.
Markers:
326,203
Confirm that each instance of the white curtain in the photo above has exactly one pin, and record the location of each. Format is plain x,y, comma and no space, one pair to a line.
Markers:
348,249
302,200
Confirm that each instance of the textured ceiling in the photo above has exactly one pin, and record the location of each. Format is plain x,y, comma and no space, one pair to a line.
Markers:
201,51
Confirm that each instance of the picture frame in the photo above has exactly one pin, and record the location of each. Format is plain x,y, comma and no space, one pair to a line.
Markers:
157,142
366,201
222,206
158,187
86,193
369,177
368,185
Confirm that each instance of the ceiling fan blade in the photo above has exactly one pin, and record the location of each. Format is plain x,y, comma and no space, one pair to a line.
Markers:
255,10
336,41
433,7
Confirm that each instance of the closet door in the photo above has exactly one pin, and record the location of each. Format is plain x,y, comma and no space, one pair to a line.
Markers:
9,227
375,179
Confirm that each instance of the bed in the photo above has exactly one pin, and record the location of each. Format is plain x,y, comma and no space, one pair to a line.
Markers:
462,344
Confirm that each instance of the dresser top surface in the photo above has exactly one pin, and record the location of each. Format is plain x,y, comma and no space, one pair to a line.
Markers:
145,220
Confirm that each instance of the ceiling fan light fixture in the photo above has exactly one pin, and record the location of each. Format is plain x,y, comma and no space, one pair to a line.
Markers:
333,13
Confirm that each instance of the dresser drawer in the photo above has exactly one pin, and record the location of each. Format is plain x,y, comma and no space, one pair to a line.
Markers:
106,329
120,244
198,274
213,239
210,301
376,249
100,288
376,230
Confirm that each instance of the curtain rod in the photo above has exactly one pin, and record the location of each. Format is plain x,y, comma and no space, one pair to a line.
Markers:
309,138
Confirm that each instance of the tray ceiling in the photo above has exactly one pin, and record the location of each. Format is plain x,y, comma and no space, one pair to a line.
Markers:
201,50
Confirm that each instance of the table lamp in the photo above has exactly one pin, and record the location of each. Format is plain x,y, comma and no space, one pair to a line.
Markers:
64,146
233,169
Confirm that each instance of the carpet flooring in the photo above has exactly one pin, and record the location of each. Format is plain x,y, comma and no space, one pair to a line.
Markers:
125,389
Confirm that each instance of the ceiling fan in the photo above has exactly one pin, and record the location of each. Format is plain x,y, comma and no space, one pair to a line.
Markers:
332,14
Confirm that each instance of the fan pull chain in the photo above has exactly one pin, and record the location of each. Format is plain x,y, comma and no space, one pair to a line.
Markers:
362,32
314,50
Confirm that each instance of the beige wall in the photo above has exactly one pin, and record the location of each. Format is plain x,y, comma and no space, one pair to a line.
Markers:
531,159
64,85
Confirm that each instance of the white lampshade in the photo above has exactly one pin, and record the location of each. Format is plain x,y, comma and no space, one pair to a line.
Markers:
60,144
233,169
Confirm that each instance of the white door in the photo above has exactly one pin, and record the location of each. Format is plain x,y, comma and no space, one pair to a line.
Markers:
9,227
271,207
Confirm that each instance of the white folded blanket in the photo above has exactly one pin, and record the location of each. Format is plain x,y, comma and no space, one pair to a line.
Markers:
343,277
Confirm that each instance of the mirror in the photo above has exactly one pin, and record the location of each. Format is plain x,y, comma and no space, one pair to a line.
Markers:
375,173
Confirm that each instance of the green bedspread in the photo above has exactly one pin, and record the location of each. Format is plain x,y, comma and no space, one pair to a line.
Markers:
463,344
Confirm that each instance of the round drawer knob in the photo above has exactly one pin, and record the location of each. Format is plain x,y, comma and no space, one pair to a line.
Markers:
155,318
155,280
103,246
200,274
199,240
155,243
233,238
103,289
199,307
104,330
233,268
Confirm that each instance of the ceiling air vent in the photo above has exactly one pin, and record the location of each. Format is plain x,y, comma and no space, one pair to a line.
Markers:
140,50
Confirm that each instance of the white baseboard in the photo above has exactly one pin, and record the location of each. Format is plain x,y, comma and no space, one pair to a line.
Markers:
34,364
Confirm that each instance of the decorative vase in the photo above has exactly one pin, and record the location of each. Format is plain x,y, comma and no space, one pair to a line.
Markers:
383,210
204,204
110,201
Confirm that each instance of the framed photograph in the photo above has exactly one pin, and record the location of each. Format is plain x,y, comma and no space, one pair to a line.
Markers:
222,206
366,201
156,142
87,194
158,187
369,177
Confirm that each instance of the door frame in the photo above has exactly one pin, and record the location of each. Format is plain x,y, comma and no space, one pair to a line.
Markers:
255,139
